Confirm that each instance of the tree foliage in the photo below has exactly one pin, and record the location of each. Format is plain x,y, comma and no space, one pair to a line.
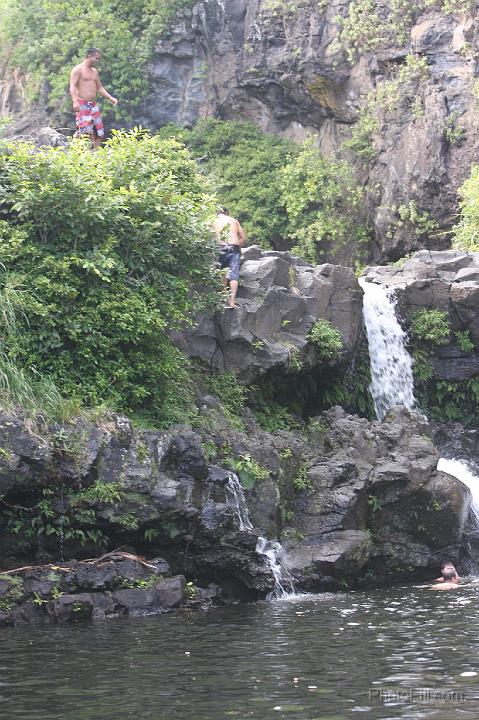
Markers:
287,195
430,327
110,250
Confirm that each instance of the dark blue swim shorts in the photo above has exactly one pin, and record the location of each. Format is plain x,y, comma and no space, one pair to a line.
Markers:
230,257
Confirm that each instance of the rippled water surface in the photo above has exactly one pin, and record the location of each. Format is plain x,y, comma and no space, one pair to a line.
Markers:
398,653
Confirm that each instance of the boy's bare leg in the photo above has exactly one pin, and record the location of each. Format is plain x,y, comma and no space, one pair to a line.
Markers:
233,291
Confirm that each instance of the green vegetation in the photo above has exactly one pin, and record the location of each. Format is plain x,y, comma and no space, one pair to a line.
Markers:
442,400
271,415
14,592
228,389
466,236
463,341
325,205
407,86
285,194
327,340
301,481
44,39
446,400
430,327
58,513
370,24
453,132
249,470
102,254
422,222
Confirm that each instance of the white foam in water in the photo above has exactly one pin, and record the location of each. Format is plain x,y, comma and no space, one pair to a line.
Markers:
392,380
461,470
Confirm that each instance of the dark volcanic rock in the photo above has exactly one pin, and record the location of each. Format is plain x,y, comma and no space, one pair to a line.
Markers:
372,504
374,495
279,300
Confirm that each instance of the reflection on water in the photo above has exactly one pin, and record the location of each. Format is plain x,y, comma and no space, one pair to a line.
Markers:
398,653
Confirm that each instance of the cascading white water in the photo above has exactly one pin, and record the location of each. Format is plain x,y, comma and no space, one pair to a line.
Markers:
392,380
237,501
461,470
274,554
272,551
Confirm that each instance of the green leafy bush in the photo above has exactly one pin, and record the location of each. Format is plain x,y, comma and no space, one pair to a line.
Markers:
463,340
111,250
446,400
370,24
327,339
430,327
249,470
229,390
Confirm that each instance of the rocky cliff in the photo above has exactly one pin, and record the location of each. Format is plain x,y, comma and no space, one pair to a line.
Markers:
280,299
351,500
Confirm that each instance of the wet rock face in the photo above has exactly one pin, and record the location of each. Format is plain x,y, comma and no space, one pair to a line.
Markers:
448,281
110,587
165,497
279,299
376,505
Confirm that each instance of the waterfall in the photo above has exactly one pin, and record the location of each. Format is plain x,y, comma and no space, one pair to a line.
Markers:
237,501
462,471
272,551
391,365
274,555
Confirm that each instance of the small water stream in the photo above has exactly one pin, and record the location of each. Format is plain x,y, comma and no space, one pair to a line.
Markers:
272,551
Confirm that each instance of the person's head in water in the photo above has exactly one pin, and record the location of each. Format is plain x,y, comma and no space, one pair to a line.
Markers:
449,574
448,567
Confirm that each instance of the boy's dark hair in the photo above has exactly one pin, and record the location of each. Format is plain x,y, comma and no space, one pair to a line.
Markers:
224,210
449,573
92,51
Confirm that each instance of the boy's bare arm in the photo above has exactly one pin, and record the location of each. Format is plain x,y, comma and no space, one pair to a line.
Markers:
74,77
241,235
103,92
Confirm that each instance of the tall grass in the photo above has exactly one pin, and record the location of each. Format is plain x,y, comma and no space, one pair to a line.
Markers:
33,393
28,392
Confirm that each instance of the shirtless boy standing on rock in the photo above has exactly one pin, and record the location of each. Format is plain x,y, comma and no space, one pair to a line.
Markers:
84,85
231,238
